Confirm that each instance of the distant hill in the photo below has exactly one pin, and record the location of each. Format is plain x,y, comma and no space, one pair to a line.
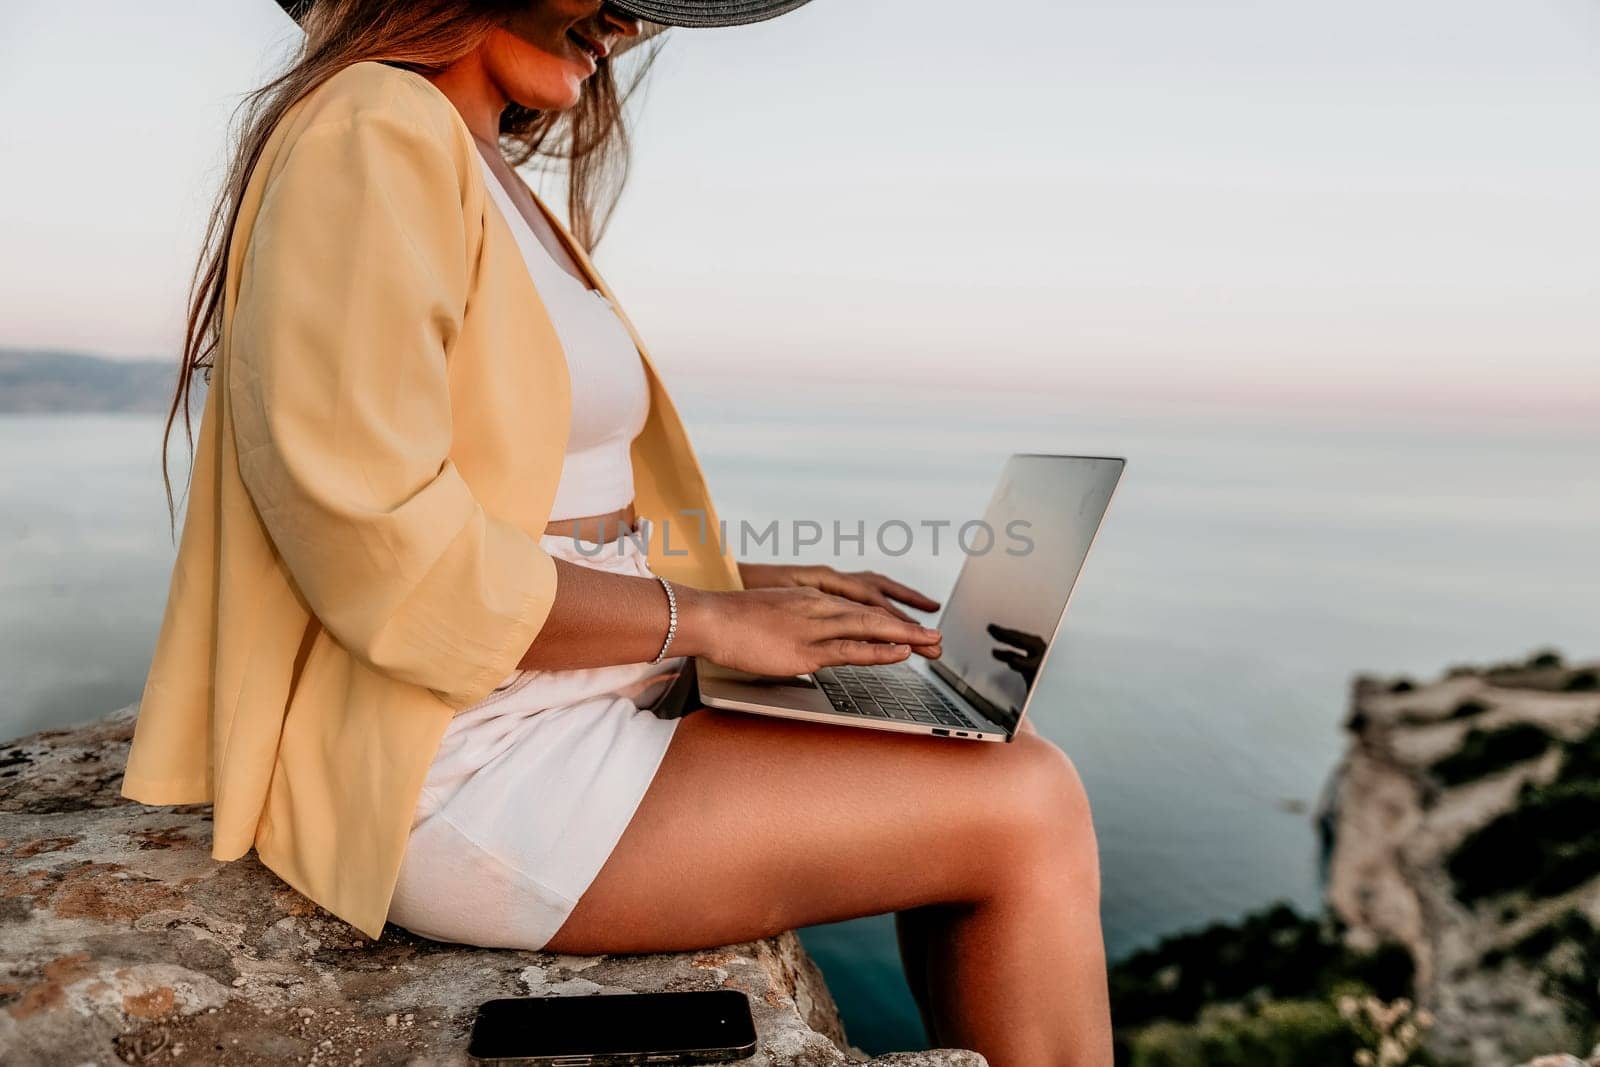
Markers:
34,380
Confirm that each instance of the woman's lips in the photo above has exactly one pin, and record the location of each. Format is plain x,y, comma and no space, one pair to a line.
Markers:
594,49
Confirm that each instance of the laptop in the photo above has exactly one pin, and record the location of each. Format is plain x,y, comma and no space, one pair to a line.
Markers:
997,628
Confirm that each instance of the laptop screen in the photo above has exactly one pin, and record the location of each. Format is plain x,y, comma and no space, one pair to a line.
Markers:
1010,595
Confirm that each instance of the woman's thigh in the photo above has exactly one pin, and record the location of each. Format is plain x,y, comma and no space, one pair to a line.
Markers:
755,825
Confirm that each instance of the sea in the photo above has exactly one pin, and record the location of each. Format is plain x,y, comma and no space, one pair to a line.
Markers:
1254,561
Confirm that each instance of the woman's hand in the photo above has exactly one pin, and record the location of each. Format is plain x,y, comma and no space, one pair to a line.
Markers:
795,630
864,587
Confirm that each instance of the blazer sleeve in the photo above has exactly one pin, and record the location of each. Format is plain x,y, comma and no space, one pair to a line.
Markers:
351,293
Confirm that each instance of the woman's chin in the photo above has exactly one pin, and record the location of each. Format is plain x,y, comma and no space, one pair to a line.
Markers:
541,80
553,95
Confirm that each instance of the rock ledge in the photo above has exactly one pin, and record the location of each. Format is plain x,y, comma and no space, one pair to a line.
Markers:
122,941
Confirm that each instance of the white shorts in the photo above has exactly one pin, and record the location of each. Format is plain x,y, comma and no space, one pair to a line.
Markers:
531,789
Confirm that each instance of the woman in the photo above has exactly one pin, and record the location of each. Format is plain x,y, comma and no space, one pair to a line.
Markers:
407,655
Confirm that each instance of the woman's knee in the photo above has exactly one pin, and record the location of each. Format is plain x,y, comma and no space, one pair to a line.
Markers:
1048,825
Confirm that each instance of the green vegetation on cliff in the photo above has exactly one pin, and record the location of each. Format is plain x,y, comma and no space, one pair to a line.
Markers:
1583,682
1284,1033
1545,845
1572,928
1276,953
1258,993
1468,709
1486,752
1565,954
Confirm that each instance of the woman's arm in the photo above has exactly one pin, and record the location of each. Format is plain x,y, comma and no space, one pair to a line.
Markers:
600,619
351,290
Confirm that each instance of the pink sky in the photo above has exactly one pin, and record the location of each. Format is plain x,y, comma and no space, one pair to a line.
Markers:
1355,203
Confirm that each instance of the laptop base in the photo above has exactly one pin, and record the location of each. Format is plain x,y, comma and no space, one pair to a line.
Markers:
803,698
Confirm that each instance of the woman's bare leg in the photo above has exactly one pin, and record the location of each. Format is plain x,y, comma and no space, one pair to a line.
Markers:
755,825
913,929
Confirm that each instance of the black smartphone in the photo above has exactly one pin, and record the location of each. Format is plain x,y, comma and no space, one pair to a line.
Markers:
712,1026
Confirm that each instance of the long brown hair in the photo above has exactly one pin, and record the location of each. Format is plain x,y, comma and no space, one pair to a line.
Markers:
589,140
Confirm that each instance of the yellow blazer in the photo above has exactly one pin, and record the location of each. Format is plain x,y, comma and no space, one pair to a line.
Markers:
377,459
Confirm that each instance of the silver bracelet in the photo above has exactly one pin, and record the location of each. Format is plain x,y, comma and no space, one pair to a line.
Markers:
672,618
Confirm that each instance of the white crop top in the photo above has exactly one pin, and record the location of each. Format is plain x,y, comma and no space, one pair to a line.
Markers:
610,397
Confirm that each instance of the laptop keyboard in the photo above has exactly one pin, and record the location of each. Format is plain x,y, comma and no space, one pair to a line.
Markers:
892,692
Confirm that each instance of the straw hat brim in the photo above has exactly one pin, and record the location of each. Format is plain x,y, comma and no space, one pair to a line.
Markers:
665,12
706,12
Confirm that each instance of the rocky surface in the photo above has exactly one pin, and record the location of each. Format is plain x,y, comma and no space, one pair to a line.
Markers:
122,941
1564,1059
1396,816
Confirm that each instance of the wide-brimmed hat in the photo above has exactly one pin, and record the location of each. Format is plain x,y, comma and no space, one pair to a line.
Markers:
664,12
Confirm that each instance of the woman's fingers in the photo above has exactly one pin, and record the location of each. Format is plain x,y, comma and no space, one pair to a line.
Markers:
903,593
861,591
852,621
850,588
841,617
931,651
883,604
921,646
869,587
843,650
879,626
785,631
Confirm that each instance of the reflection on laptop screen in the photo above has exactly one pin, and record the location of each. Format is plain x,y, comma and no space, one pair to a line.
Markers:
1009,599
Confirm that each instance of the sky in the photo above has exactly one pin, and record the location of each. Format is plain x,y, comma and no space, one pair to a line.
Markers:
1266,200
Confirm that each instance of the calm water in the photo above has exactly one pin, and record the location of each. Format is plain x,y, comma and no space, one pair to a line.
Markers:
1249,567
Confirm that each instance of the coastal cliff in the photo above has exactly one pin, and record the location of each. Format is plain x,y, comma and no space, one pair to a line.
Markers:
1464,824
1462,891
121,940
